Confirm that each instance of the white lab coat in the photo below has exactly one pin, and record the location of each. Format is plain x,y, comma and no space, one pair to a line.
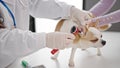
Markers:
20,42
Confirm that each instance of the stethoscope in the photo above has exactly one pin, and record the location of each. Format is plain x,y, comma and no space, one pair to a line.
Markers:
10,12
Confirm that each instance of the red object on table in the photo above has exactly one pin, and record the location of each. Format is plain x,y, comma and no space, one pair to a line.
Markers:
54,51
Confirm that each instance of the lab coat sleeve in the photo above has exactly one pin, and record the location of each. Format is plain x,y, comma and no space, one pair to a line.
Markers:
102,7
17,43
51,9
20,43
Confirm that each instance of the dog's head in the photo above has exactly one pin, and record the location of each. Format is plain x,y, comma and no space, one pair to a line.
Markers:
91,38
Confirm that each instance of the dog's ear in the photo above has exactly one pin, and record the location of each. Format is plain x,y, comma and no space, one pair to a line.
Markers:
59,25
101,28
104,27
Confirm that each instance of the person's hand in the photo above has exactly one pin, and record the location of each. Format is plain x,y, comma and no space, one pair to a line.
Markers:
79,17
59,40
93,22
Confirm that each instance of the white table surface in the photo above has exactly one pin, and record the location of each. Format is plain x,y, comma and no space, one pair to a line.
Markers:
83,59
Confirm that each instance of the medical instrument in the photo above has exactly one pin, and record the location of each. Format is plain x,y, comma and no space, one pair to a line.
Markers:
10,12
26,65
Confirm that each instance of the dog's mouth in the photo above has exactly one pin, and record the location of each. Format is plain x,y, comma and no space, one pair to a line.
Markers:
76,32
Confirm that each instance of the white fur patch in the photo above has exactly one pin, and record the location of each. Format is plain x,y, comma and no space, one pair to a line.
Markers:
95,31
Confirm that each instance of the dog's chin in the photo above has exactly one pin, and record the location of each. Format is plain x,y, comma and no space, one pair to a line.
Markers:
98,46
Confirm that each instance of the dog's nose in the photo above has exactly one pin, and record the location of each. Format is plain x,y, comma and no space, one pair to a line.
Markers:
103,42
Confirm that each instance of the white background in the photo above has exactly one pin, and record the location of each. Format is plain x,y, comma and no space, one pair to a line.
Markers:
48,25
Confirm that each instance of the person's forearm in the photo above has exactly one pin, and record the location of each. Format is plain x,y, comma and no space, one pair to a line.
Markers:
22,42
52,9
16,43
102,7
113,17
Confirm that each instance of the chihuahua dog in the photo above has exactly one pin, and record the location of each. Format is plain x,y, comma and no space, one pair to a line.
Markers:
91,38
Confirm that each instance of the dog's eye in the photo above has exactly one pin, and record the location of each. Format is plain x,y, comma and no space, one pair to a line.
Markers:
95,40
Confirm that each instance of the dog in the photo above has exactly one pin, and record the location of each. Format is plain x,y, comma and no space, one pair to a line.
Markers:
91,38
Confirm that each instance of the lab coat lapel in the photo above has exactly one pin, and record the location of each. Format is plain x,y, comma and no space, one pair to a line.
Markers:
8,22
9,1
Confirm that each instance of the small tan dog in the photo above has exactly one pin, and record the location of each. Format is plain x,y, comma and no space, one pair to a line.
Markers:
91,38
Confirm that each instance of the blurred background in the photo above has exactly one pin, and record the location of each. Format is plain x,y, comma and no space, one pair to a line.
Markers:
89,3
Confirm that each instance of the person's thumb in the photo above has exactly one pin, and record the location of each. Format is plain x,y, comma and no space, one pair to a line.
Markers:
69,40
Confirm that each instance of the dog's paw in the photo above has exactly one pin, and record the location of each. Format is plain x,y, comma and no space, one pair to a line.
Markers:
98,54
71,64
83,49
53,57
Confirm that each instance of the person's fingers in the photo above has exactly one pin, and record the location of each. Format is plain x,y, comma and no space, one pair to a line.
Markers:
69,41
82,30
70,36
87,17
88,22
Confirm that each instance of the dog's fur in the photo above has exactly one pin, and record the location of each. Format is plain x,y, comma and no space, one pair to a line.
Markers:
92,37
